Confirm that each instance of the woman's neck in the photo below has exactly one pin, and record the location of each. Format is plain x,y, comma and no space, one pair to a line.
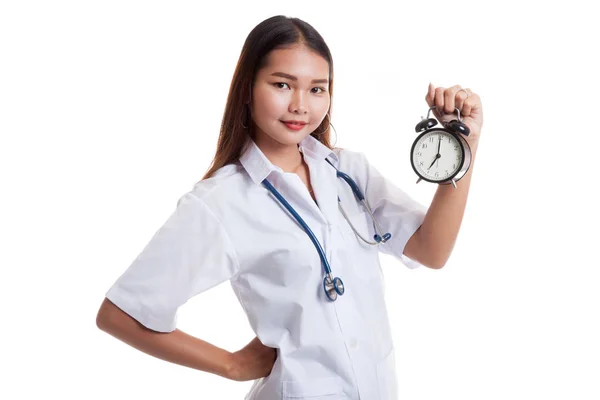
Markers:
286,157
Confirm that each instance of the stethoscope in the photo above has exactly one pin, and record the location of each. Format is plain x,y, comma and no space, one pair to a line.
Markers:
333,286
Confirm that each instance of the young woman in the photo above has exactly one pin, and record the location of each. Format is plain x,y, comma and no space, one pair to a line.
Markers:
275,218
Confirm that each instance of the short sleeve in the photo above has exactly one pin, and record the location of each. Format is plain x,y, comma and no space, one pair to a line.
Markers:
189,254
396,212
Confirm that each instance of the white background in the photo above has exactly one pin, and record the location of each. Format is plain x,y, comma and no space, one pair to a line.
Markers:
110,111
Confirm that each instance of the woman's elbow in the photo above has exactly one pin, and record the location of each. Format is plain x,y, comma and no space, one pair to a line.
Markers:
105,315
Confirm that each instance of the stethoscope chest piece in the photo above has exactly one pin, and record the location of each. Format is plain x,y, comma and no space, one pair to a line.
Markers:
440,155
333,287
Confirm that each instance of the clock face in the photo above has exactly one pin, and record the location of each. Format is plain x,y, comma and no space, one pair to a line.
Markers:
437,156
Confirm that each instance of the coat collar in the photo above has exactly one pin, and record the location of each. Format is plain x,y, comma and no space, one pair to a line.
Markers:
259,167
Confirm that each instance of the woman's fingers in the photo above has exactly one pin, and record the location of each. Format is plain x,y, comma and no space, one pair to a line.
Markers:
430,94
438,101
447,100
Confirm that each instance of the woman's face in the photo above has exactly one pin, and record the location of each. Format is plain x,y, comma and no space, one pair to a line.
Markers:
293,86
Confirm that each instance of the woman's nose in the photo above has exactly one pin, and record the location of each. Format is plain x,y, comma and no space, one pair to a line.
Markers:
297,105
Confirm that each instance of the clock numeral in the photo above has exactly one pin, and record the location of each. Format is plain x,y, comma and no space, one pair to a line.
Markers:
420,163
419,153
424,145
455,147
431,139
437,174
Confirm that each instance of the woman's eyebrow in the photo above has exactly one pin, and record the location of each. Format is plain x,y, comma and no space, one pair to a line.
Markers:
293,78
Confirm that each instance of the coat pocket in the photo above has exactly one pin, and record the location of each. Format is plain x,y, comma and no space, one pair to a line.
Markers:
386,376
314,389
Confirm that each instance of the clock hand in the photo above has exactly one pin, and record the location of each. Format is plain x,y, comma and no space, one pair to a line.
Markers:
439,144
434,160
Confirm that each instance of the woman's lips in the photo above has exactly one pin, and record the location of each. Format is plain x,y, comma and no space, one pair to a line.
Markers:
294,127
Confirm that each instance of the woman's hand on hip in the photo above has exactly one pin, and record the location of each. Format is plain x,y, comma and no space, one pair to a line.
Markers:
254,361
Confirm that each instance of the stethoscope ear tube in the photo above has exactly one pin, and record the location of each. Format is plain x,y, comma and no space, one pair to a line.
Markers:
379,239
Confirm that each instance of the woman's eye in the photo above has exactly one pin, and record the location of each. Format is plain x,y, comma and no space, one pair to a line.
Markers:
319,89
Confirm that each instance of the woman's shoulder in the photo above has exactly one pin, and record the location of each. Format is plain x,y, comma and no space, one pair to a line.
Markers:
350,158
224,181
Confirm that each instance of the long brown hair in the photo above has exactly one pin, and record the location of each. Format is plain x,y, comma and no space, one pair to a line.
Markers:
273,33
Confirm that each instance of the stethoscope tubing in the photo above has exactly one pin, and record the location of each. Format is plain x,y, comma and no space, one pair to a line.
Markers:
359,195
332,286
298,218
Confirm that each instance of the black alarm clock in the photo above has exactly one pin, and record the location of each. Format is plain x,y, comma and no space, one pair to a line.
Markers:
441,155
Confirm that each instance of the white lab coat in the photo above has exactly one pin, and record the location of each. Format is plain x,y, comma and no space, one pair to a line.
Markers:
230,227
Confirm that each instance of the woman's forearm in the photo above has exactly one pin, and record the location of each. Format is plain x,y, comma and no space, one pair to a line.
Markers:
177,347
441,225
